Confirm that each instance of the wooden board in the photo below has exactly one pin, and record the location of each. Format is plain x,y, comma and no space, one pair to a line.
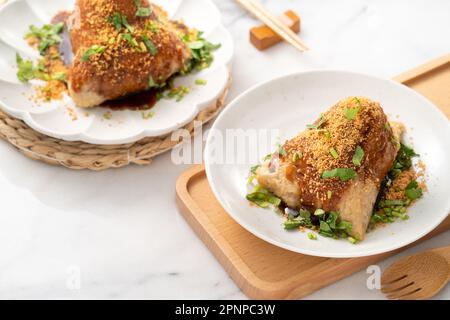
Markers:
264,271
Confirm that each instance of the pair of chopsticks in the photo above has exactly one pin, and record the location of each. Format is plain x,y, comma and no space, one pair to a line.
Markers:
258,10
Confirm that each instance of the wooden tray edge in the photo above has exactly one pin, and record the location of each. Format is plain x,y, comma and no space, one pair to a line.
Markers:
214,240
255,287
422,70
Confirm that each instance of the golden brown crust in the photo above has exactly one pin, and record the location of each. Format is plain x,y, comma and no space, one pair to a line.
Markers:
122,68
369,130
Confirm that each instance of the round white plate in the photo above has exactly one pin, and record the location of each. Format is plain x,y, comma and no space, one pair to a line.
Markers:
54,119
288,104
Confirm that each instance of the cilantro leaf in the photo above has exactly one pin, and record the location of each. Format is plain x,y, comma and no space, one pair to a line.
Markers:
350,113
344,174
142,11
48,35
150,45
358,156
94,50
26,70
319,123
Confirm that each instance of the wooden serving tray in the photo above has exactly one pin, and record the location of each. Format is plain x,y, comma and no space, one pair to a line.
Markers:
264,271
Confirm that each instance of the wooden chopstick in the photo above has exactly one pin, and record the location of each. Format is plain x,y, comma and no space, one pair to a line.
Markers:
272,22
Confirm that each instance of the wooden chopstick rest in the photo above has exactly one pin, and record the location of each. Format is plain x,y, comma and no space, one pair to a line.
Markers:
262,37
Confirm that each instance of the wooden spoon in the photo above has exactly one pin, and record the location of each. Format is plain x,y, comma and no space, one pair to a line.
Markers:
417,277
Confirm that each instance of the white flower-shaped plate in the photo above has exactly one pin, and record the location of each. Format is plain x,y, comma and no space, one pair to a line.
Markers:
55,118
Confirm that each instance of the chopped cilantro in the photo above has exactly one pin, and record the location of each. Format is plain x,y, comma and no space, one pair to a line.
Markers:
413,191
178,93
94,50
334,153
319,212
130,39
200,82
350,113
152,27
312,236
152,83
150,45
60,76
147,115
358,156
120,21
319,123
107,115
202,52
344,174
142,11
26,70
48,35
281,150
252,174
297,156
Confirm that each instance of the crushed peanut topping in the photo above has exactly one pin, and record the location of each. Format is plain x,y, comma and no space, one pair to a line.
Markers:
126,37
397,190
345,129
54,72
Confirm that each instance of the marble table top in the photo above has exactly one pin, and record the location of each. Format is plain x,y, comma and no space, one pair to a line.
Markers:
118,234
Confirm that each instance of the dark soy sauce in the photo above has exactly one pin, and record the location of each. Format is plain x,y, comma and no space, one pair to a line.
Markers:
139,101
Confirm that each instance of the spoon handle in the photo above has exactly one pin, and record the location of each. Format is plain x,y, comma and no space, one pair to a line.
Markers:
444,252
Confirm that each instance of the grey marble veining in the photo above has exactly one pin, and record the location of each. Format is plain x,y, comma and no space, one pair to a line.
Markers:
119,232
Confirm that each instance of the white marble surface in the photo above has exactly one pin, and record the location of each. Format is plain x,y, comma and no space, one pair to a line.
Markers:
120,229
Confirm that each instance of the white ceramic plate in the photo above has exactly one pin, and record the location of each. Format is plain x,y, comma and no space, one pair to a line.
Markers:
53,119
288,104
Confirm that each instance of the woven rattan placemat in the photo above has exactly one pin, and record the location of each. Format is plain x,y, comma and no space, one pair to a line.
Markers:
80,155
